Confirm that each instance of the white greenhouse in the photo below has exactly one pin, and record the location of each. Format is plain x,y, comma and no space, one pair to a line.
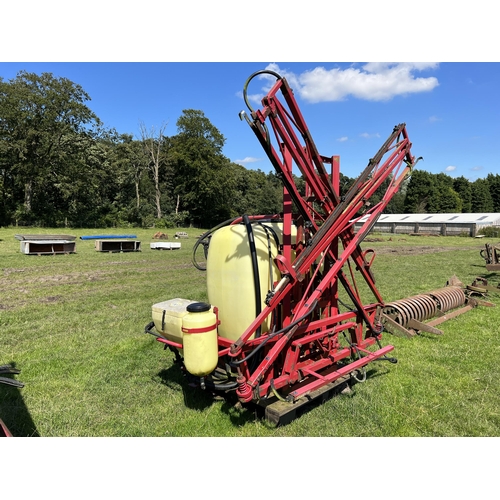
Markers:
436,224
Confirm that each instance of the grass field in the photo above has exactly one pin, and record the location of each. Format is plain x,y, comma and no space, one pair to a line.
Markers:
73,324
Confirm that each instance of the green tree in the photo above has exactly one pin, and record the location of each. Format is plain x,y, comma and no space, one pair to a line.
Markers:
204,178
431,193
420,190
462,186
482,201
255,192
494,188
345,183
46,129
396,204
443,198
89,192
131,164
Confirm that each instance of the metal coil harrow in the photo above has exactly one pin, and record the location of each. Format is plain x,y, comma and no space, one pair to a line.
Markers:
410,316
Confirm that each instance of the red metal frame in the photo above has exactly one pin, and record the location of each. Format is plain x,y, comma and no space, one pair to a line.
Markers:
312,342
4,432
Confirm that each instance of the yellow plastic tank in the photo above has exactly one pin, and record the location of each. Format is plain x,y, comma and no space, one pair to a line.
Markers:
230,276
199,328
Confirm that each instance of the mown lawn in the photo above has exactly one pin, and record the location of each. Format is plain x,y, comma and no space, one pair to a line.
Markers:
73,324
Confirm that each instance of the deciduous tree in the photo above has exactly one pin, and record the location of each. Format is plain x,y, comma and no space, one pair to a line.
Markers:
204,177
45,124
156,145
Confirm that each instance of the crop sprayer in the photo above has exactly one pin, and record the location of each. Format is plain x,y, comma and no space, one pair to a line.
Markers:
288,318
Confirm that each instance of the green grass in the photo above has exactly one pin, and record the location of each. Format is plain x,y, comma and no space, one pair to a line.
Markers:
74,326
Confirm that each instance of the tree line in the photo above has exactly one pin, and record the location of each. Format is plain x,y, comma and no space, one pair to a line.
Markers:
424,192
61,167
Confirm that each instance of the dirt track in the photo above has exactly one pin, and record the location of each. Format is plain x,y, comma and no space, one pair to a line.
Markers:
418,250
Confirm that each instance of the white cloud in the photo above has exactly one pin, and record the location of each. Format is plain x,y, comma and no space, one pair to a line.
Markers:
343,139
371,81
450,168
476,169
433,119
366,135
247,159
255,98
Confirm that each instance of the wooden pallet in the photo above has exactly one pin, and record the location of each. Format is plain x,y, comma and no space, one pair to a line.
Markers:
278,412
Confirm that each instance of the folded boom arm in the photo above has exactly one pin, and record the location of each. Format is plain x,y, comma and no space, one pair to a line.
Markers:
307,296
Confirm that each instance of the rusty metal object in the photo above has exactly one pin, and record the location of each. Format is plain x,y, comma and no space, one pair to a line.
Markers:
480,286
410,316
491,254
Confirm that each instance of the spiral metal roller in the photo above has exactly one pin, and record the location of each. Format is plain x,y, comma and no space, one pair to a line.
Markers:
410,316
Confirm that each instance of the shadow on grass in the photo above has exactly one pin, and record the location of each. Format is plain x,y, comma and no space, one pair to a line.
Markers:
14,413
199,399
241,414
194,397
371,373
486,274
491,274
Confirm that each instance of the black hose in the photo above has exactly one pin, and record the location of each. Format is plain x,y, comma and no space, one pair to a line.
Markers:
251,77
203,237
208,234
255,268
269,229
221,387
149,329
272,335
269,252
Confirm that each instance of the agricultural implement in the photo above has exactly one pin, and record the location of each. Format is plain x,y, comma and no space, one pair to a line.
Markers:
491,254
425,311
288,320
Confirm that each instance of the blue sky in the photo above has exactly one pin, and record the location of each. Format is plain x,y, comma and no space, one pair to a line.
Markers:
451,110
198,55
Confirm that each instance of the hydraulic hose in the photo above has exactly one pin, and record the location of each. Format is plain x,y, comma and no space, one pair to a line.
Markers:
203,237
267,144
221,387
251,77
268,230
255,268
208,234
272,335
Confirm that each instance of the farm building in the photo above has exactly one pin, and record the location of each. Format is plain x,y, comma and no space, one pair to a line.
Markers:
437,224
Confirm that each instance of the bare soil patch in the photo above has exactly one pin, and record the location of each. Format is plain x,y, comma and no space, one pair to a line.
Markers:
417,250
